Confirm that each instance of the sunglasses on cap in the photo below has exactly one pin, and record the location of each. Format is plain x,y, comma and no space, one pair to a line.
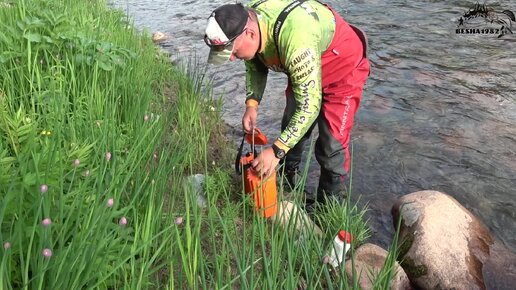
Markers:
220,46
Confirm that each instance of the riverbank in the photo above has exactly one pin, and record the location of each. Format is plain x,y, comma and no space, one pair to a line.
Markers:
430,118
100,138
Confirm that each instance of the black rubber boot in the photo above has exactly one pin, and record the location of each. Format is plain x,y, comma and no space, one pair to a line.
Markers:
290,180
331,187
290,174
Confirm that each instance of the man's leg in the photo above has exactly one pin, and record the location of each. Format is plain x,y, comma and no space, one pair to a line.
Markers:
340,103
331,155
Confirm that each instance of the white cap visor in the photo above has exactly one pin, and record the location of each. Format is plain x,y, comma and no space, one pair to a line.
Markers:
215,35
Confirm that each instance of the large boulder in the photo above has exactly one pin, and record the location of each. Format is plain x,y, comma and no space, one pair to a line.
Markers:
442,245
368,262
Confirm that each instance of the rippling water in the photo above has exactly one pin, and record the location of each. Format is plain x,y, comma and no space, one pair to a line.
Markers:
438,111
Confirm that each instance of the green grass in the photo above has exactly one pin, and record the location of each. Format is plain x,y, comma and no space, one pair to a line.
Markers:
91,112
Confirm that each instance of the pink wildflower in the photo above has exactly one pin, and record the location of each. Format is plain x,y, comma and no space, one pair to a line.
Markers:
7,245
47,253
43,188
146,118
46,222
110,202
123,221
179,220
326,259
76,162
108,156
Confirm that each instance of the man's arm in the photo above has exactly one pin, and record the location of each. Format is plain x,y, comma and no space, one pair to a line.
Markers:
256,79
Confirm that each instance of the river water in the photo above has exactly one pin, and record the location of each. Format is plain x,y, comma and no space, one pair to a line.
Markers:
438,111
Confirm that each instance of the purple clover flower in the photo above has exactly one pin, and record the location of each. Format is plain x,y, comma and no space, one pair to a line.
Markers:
47,253
46,222
43,188
123,221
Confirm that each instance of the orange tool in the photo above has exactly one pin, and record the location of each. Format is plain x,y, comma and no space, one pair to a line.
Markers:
263,190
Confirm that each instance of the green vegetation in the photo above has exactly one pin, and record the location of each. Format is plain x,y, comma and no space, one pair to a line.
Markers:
98,132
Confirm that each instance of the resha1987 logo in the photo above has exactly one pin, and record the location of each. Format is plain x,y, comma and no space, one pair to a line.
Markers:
481,19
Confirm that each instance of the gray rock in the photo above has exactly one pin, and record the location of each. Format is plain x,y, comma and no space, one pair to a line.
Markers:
442,245
196,181
368,261
159,36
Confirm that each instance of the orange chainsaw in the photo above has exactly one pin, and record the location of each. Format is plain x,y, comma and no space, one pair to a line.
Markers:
262,189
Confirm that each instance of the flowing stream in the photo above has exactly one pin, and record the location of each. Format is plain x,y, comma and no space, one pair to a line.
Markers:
438,111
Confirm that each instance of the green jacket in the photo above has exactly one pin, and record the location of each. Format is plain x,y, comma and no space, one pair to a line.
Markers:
307,32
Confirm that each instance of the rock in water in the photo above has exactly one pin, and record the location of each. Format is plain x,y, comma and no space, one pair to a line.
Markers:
442,245
158,37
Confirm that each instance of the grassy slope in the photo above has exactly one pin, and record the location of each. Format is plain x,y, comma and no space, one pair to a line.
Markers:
92,114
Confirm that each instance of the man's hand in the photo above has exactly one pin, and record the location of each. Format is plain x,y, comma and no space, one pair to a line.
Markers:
265,162
249,119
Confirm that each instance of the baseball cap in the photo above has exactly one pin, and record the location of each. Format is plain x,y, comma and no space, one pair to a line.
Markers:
225,24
